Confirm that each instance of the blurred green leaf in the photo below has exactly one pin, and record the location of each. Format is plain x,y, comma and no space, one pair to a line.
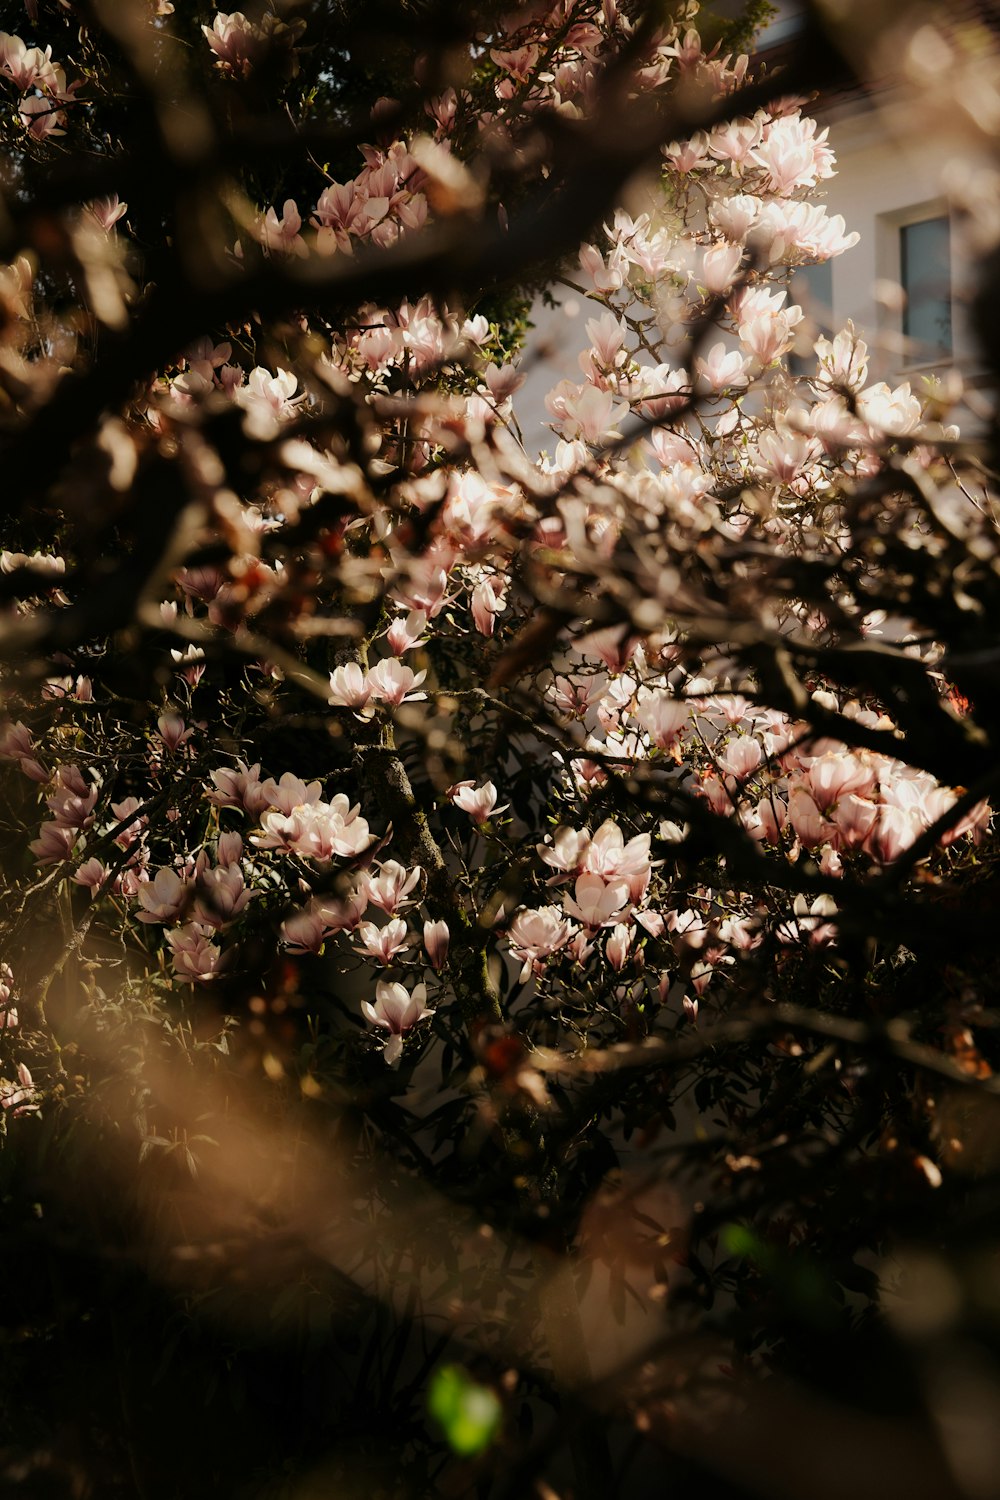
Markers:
740,1240
469,1414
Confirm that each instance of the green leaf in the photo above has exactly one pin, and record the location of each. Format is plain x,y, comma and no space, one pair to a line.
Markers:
739,1240
469,1414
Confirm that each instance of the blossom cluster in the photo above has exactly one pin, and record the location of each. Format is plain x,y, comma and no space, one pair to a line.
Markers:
423,529
40,83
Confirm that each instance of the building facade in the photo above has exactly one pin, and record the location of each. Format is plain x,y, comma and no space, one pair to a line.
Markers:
905,180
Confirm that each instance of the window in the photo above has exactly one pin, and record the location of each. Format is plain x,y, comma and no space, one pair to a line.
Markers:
925,276
812,289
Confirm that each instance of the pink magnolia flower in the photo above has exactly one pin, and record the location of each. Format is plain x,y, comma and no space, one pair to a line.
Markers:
742,933
579,948
239,787
741,757
54,843
48,564
222,896
719,266
518,62
651,922
586,412
172,732
792,155
91,874
41,117
476,330
767,335
783,454
306,931
735,217
403,635
767,819
818,234
596,904
832,776
662,390
618,945
940,800
609,856
537,932
316,830
340,211
720,369
349,687
290,793
703,969
575,696
896,412
52,81
106,212
436,940
382,943
690,155
22,64
131,827
501,381
201,583
390,681
135,875
662,717
282,235
267,398
343,914
690,929
237,42
607,338
389,889
8,1013
73,800
16,741
810,826
808,922
229,848
567,852
427,589
21,1098
194,956
479,802
614,645
397,1012
843,360
164,898
736,139
603,275
893,831
488,601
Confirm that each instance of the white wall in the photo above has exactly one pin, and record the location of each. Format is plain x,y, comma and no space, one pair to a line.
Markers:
887,177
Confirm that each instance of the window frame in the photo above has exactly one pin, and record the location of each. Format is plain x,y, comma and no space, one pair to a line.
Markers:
889,267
